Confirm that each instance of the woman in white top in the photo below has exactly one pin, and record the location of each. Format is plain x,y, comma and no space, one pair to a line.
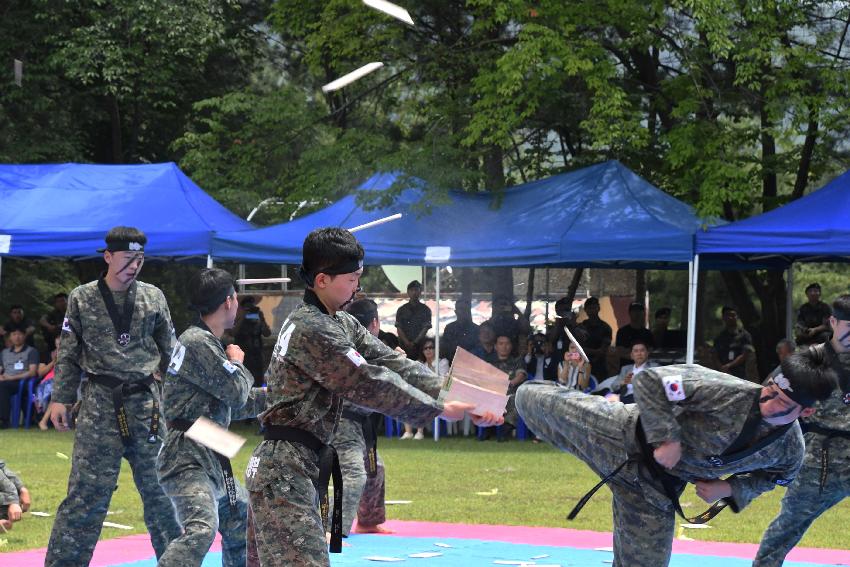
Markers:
428,358
573,372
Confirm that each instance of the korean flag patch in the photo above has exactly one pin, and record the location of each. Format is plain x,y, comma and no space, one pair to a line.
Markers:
674,388
230,367
355,357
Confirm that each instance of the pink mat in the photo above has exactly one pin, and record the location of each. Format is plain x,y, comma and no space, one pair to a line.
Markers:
138,547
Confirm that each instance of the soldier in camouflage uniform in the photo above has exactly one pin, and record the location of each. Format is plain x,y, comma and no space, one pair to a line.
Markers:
514,367
323,355
204,380
690,424
14,497
824,479
118,331
364,488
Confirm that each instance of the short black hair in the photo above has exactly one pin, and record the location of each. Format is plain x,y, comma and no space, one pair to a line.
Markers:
813,285
325,248
209,287
60,294
125,234
591,300
639,342
726,309
809,376
841,307
16,306
389,339
414,283
364,310
247,300
662,311
636,306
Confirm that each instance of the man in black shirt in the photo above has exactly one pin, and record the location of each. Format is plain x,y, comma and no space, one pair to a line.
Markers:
248,333
733,345
460,333
598,339
813,318
412,320
51,323
635,331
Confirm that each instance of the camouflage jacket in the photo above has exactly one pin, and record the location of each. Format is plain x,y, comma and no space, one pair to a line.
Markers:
10,484
705,411
200,381
88,339
319,359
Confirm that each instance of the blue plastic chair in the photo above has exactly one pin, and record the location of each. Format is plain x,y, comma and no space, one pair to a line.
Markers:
392,427
23,402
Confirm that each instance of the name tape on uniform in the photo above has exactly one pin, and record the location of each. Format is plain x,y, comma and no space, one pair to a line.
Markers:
177,356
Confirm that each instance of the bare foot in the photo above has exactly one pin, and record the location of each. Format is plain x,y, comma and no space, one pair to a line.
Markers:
377,529
42,425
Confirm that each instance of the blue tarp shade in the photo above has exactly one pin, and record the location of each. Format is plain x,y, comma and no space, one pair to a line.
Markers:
603,215
813,228
65,210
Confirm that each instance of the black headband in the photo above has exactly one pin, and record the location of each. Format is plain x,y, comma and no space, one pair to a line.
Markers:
123,246
801,397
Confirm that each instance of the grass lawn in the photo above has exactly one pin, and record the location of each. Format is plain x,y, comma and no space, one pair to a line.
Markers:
531,485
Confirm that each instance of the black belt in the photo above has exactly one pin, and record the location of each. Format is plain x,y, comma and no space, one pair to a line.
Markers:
328,465
122,390
829,435
226,469
673,486
370,436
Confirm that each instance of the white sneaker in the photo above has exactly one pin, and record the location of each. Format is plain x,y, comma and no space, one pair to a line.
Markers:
419,436
407,435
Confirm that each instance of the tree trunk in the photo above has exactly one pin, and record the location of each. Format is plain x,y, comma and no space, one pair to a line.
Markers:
529,293
640,286
115,121
502,279
571,291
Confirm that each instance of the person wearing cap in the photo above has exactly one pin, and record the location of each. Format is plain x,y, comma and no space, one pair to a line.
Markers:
813,318
323,356
824,479
206,380
355,440
118,331
635,330
412,320
733,439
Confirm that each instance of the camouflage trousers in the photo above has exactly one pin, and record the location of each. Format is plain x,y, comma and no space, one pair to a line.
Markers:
804,502
201,512
95,465
362,495
601,433
284,507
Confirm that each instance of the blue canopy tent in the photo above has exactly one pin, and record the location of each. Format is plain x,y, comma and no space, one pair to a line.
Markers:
603,215
814,228
599,216
65,210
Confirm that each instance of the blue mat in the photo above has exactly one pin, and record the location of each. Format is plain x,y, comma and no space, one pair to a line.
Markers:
480,553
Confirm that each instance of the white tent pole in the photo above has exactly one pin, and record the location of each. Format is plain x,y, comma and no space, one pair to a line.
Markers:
241,277
209,261
437,344
693,278
789,303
